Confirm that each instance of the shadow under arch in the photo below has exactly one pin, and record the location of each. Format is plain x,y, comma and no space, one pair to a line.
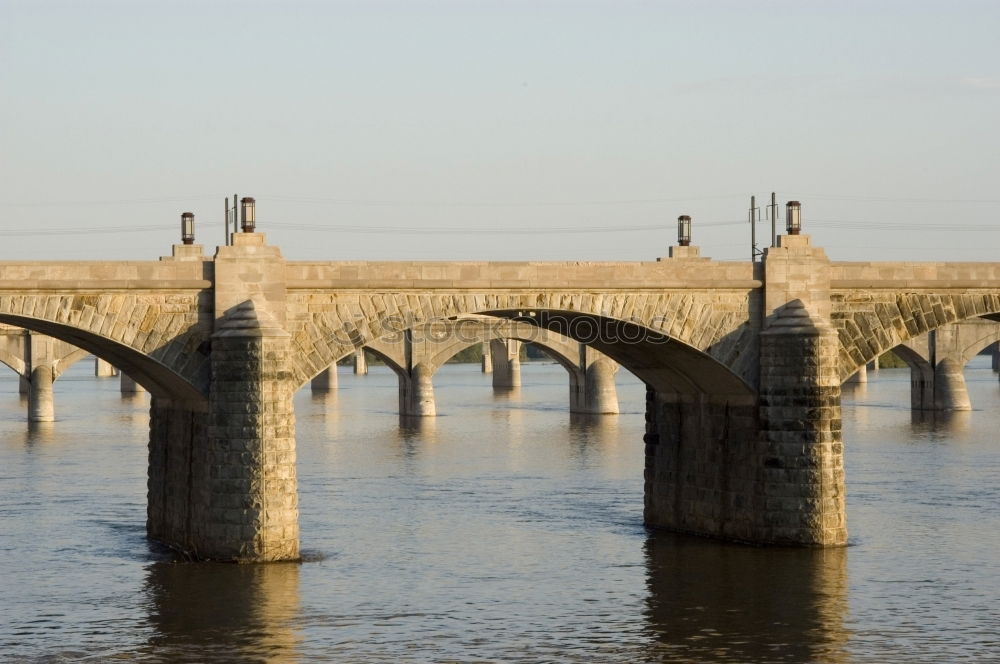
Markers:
662,362
160,380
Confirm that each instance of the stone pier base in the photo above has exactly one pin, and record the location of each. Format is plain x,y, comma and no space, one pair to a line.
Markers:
702,467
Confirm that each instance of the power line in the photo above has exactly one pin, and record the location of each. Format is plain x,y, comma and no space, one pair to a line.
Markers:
814,225
485,204
124,201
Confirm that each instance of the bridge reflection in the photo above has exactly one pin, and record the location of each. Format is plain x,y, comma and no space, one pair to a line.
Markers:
713,602
223,613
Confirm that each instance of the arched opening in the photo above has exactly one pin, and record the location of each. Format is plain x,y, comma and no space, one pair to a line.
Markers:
157,378
660,361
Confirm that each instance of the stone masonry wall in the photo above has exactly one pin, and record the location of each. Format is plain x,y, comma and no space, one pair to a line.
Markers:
175,432
802,475
702,458
245,491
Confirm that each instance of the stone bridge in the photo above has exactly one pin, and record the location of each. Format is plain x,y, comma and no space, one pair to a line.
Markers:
743,364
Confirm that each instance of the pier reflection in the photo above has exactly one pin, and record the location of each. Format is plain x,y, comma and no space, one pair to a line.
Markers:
944,424
712,602
223,613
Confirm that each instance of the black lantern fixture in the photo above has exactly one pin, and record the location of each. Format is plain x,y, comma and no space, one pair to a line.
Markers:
684,230
187,228
248,217
793,217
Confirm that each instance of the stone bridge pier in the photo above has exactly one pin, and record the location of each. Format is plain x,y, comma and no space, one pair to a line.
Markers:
753,453
38,360
505,357
937,362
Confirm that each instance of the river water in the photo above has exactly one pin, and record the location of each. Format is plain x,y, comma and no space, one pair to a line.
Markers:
503,530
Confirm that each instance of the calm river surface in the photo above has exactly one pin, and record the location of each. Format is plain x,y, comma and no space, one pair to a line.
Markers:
504,530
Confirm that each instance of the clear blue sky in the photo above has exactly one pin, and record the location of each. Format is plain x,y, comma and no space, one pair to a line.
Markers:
406,119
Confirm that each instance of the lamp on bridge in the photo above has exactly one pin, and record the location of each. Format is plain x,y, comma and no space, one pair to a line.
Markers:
684,230
187,228
248,217
793,217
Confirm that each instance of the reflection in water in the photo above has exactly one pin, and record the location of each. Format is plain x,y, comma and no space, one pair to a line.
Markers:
711,602
415,433
223,613
41,432
498,532
592,425
854,390
508,395
940,423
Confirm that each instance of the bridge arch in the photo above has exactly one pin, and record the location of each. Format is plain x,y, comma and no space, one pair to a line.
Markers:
663,362
879,322
989,337
155,376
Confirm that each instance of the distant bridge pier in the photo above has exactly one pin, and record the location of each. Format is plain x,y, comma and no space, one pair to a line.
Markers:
104,369
592,385
325,380
41,360
505,355
416,392
950,392
487,360
860,376
38,360
937,361
360,362
129,387
41,403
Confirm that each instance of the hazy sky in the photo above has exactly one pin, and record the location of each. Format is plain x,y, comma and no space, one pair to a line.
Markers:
504,130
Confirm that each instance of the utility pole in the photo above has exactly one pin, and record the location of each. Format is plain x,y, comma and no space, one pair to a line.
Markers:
753,216
774,219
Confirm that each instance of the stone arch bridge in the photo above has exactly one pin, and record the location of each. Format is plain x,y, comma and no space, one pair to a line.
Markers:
743,364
